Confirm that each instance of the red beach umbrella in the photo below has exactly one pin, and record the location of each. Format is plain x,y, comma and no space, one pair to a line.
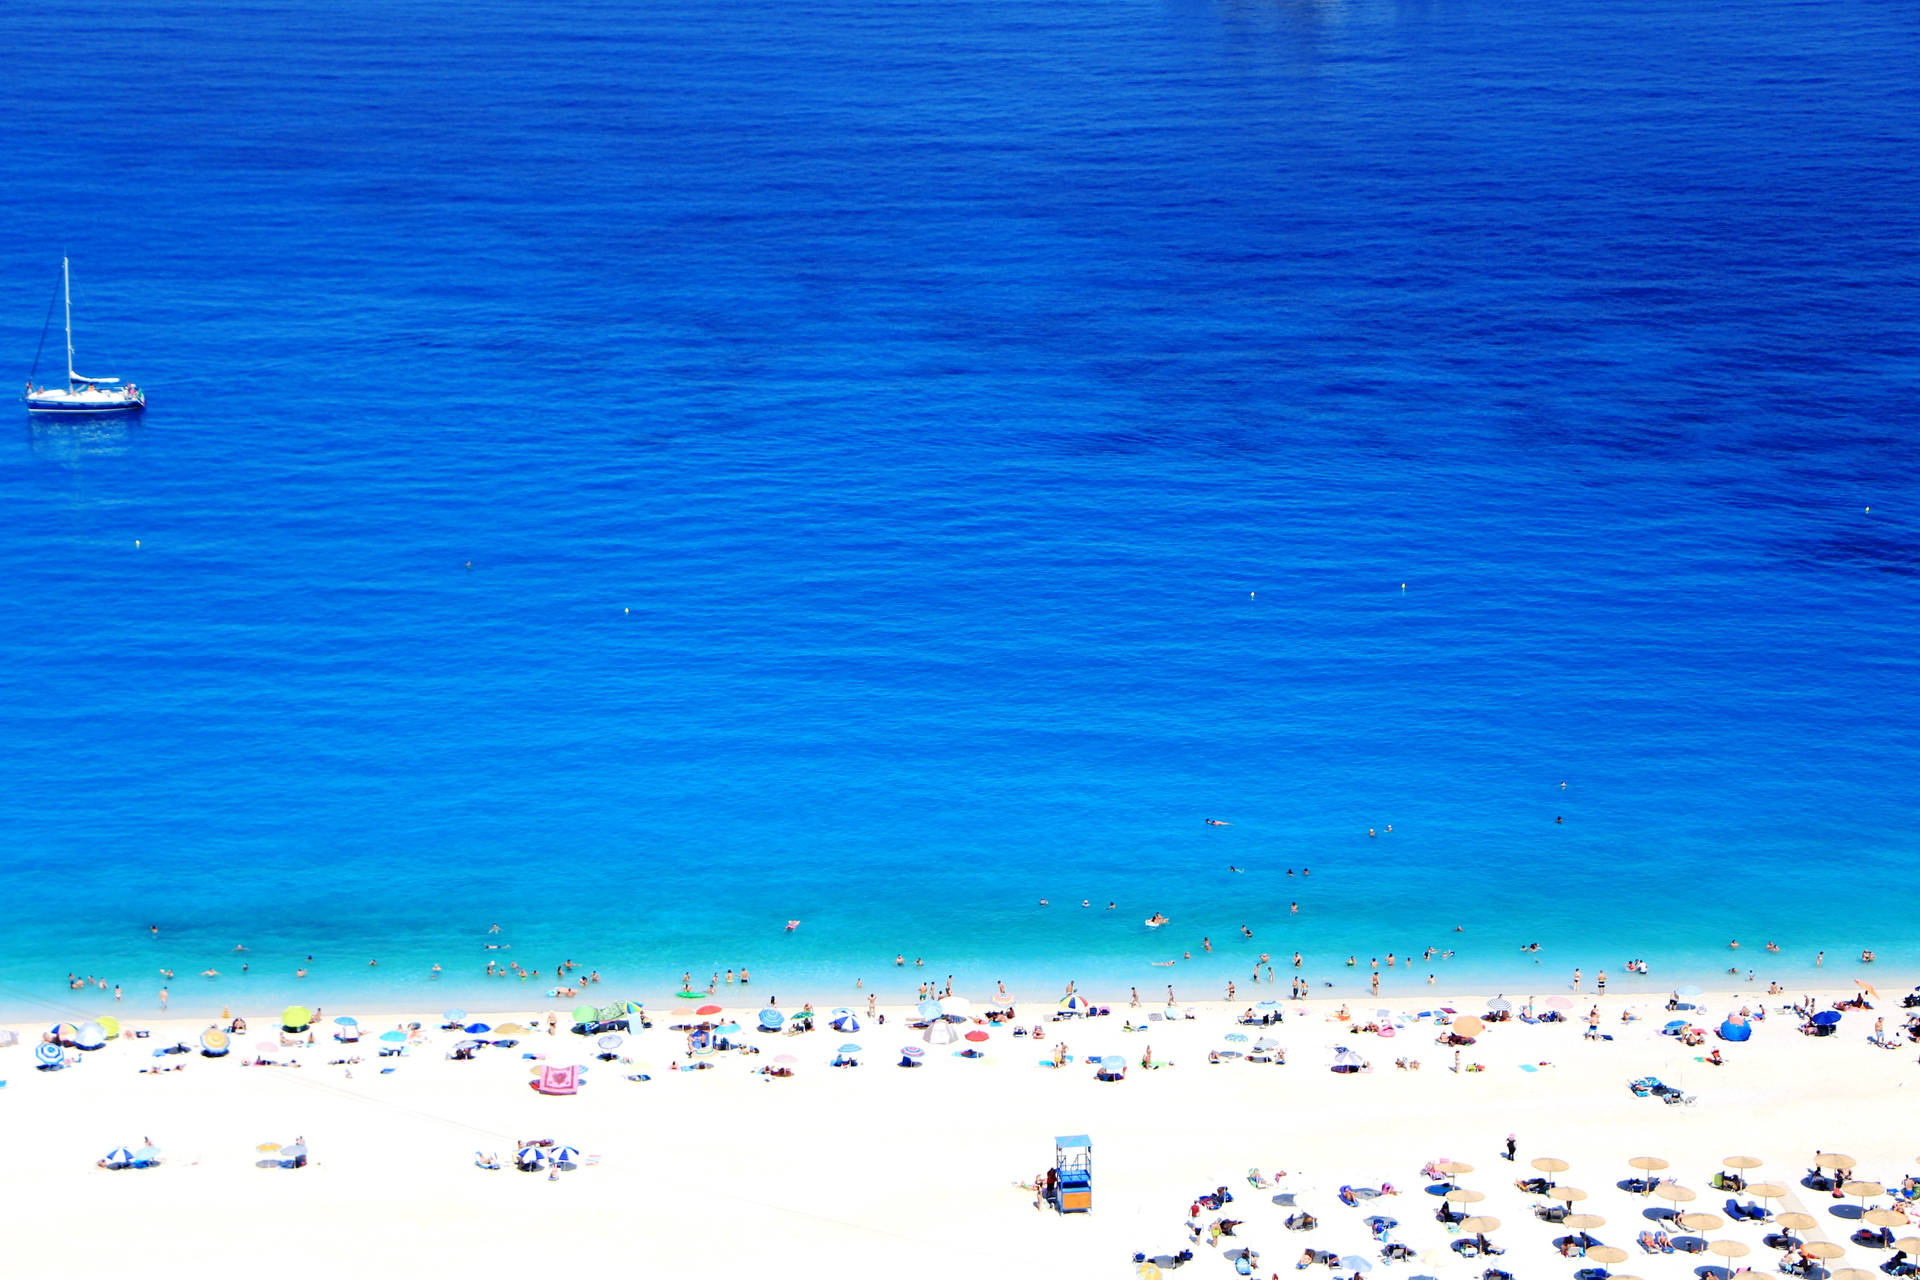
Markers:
977,1036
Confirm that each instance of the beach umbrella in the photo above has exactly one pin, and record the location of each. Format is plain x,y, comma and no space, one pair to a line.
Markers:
977,1037
451,1015
347,1022
709,1011
1480,1224
954,1006
1863,1188
1551,1164
1767,1190
296,1017
1834,1160
844,1021
1074,1004
786,1059
119,1158
267,1148
215,1041
1499,1004
1885,1217
530,1157
585,1013
1853,1273
509,1029
1725,1248
1675,1192
1742,1162
468,1044
913,1051
1826,1018
1908,1245
148,1154
566,1157
111,1025
610,1042
1567,1195
48,1052
1688,990
1583,1222
1453,1168
1147,1271
771,1019
1825,1250
1606,1253
1268,1004
1463,1195
1797,1221
477,1028
633,1009
929,1008
850,1048
90,1035
1236,1038
1354,1262
1559,1002
940,1032
1266,1045
392,1037
727,1029
1468,1026
1701,1221
1648,1164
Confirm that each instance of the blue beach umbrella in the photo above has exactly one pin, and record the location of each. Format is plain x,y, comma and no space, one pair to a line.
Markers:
530,1157
146,1155
393,1037
727,1029
454,1015
913,1051
850,1048
566,1157
1268,1004
90,1035
347,1022
1236,1037
929,1008
119,1158
771,1019
468,1044
478,1029
1735,1031
1826,1017
1688,990
48,1052
1074,1004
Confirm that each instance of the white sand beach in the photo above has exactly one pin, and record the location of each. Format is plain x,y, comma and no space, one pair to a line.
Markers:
879,1170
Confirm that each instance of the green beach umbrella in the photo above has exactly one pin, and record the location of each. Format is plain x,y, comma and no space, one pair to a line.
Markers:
110,1025
585,1013
296,1017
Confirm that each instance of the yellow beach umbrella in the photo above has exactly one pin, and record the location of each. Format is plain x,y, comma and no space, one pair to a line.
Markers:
1480,1224
1863,1188
1834,1160
1767,1190
1908,1245
1743,1162
1729,1248
1675,1192
1854,1273
1650,1164
1885,1217
1566,1195
1797,1221
1823,1249
1584,1222
1606,1253
1463,1195
1551,1164
1702,1221
1452,1168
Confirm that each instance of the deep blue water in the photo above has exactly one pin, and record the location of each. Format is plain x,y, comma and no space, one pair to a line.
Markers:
918,459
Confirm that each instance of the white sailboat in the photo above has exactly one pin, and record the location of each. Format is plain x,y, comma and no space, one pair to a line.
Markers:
81,394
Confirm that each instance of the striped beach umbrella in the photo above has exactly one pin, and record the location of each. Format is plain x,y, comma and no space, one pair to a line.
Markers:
913,1051
771,1019
48,1053
566,1157
1075,1004
609,1042
215,1041
531,1157
118,1158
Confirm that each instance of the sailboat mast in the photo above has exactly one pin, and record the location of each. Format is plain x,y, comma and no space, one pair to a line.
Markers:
66,287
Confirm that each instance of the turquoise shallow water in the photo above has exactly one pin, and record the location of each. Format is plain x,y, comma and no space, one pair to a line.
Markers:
914,462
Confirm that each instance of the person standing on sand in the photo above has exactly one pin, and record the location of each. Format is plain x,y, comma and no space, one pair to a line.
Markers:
1576,979
1512,1146
1135,996
1600,982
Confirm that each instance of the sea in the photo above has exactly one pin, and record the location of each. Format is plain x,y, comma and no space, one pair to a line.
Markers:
638,475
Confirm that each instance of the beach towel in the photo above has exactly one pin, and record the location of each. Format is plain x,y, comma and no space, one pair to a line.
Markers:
558,1081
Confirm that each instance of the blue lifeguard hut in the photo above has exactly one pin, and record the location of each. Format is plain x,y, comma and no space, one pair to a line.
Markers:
1073,1169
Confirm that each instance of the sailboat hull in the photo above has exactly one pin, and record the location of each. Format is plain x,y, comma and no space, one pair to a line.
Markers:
84,402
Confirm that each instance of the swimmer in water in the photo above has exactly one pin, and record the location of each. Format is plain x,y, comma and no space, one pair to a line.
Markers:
1236,870
792,925
1215,822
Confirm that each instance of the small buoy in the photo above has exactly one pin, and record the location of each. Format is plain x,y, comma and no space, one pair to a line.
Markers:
626,611
1250,595
1869,509
136,544
1403,586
